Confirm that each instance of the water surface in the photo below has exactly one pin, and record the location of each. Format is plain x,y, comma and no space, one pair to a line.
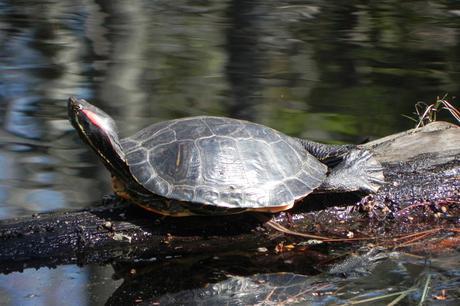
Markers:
332,72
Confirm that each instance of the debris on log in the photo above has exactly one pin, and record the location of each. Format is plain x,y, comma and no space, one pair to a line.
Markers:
420,199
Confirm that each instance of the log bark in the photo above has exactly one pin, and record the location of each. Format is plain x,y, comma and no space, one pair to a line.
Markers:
421,167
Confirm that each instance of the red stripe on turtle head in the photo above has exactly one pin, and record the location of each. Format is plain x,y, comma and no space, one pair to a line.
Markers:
95,119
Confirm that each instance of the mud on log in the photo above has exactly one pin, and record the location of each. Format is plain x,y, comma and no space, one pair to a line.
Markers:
422,171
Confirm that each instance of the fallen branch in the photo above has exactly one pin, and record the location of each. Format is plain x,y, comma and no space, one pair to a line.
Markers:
421,195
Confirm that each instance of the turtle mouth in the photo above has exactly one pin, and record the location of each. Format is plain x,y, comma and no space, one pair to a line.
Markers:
73,109
73,103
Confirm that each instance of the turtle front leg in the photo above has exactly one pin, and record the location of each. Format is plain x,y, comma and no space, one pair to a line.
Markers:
119,188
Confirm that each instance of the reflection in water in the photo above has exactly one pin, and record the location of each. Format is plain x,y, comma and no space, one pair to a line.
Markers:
234,280
245,58
64,285
328,71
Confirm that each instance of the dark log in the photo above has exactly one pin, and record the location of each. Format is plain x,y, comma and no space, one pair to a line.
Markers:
422,170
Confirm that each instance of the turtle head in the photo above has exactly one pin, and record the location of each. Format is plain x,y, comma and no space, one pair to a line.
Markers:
98,130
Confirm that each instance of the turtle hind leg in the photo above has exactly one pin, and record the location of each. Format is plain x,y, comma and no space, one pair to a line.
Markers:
350,168
326,153
357,171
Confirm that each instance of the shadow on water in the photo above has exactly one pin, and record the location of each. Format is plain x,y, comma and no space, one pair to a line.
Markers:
331,72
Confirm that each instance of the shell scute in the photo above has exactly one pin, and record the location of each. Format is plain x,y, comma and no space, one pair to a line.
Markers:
128,145
163,160
297,186
282,194
232,198
255,155
261,132
221,163
191,129
140,154
142,171
256,197
292,162
186,193
209,195
163,136
222,126
157,183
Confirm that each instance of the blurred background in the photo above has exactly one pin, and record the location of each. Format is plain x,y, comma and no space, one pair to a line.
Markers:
343,71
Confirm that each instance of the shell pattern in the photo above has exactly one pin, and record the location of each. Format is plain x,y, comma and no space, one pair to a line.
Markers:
222,162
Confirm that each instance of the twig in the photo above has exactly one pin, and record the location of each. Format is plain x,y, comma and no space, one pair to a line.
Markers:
425,290
376,298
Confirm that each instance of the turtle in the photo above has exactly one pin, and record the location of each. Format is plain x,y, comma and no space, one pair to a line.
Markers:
207,165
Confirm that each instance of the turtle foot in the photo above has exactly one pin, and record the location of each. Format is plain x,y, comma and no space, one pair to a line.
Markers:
358,171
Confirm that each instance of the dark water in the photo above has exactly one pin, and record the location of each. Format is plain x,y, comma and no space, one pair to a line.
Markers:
333,72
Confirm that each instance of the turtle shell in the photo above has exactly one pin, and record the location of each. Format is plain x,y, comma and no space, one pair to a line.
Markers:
222,162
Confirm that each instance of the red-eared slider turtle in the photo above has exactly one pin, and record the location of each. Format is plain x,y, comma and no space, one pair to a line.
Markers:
216,165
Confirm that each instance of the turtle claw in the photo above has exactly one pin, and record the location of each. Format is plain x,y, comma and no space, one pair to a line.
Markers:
370,171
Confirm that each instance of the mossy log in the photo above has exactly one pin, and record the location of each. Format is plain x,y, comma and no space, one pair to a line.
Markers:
421,194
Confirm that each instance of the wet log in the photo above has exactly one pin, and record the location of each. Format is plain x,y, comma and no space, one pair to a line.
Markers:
421,167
